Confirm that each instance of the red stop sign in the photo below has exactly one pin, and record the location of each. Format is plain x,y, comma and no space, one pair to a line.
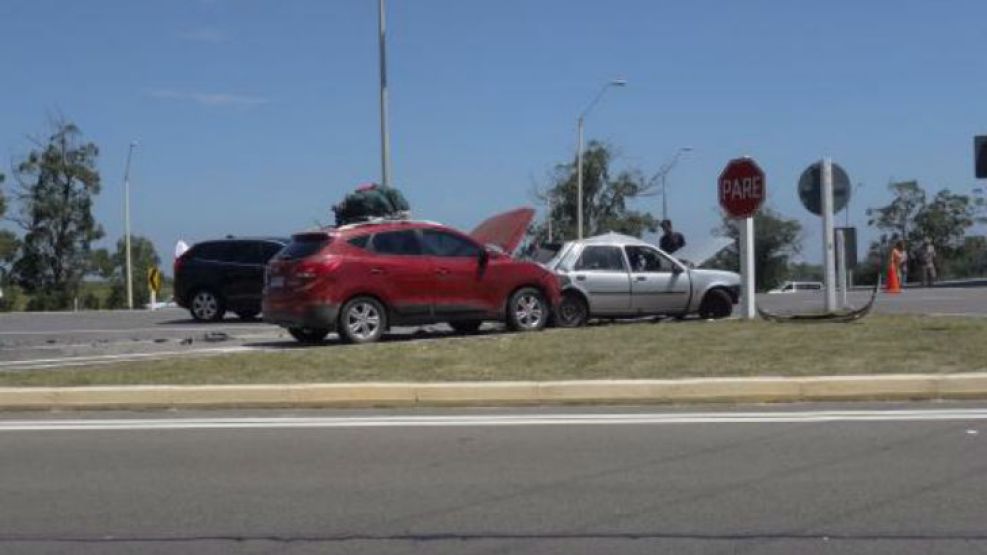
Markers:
741,188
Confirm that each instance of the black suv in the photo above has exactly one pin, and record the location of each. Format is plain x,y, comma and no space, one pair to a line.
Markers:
226,274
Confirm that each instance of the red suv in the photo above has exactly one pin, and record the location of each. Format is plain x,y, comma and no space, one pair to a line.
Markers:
360,279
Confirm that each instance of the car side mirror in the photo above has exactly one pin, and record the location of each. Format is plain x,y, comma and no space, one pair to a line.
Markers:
676,269
484,257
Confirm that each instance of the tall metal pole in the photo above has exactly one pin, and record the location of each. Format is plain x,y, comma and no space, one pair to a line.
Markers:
663,172
664,197
828,249
385,137
579,182
579,155
126,226
550,217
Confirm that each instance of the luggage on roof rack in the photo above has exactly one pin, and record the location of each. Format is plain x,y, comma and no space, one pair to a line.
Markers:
371,202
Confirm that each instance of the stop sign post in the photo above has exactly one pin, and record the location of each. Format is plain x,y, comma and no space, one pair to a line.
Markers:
741,189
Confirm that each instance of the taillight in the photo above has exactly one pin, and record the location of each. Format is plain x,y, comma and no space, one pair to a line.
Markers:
179,262
313,268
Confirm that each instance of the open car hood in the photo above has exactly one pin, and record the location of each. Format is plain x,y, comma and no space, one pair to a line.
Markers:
700,253
504,231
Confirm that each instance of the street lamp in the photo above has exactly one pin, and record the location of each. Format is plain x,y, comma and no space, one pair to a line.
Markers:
385,136
579,156
126,225
663,172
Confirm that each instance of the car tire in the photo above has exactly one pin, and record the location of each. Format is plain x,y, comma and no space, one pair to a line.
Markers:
308,335
573,312
206,306
527,310
466,327
362,320
716,304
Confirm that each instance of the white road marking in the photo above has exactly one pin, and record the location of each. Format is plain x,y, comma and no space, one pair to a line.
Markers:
40,363
586,419
159,329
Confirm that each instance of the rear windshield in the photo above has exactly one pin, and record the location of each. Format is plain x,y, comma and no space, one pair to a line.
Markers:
304,245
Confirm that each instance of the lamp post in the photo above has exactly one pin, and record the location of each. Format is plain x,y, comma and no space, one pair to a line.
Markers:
126,226
385,137
663,172
579,155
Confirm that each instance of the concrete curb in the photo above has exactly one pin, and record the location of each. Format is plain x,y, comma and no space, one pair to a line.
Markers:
725,390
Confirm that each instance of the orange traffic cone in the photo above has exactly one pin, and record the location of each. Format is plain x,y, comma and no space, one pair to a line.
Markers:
894,285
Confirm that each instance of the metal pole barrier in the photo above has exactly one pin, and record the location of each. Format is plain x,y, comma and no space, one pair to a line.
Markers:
747,268
827,215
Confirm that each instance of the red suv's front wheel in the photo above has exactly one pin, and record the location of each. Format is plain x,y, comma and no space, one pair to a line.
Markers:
527,310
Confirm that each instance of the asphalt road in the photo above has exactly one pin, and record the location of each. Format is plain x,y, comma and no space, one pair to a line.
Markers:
30,341
486,482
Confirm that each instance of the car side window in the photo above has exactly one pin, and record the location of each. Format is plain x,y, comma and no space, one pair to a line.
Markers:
360,241
216,251
268,250
244,252
402,243
440,243
601,258
644,259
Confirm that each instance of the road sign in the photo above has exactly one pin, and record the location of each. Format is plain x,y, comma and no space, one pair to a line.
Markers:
980,156
741,188
154,279
810,188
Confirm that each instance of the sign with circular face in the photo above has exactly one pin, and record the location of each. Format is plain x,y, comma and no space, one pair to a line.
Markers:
810,188
741,188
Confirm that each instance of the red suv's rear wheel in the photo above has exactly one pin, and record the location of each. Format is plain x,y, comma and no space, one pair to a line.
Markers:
362,320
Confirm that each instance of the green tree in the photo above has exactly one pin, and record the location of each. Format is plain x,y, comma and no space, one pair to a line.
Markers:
9,245
897,218
776,241
945,220
606,199
57,183
143,258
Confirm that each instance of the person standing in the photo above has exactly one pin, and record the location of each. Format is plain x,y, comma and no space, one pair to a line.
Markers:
927,258
894,265
671,240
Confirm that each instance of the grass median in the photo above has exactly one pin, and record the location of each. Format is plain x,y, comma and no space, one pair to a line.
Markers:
875,345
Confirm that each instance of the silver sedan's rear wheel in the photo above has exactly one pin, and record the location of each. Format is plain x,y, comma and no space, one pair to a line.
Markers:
206,306
527,310
362,320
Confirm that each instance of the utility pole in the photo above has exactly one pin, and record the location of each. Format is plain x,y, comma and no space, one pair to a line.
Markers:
579,154
126,226
385,137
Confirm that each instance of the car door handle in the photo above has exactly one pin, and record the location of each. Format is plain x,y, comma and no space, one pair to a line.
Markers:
641,278
580,278
376,271
442,271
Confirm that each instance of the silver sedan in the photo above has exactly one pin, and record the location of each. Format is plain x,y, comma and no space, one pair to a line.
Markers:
618,276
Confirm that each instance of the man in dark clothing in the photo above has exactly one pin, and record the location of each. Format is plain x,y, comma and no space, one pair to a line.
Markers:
671,241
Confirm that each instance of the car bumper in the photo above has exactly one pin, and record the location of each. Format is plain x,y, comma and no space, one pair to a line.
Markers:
311,316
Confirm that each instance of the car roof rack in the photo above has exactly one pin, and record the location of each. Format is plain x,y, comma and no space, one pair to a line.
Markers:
384,220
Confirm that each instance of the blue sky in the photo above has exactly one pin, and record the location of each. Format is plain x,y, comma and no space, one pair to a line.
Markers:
254,117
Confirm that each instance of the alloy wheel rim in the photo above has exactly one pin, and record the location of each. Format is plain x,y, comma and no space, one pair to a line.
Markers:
204,305
528,311
363,320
